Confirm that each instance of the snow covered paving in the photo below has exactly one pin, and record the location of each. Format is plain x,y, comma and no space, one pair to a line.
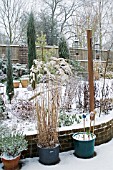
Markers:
102,161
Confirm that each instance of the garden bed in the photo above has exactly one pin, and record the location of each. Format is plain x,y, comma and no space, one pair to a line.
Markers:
103,132
103,125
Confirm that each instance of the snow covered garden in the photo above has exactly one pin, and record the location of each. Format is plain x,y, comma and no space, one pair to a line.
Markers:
21,115
64,106
52,113
56,85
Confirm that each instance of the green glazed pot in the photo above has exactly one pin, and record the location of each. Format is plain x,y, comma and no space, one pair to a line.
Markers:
84,144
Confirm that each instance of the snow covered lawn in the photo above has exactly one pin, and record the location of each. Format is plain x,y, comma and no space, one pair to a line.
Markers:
102,161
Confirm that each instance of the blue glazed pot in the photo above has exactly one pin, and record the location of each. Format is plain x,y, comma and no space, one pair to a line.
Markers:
84,147
49,156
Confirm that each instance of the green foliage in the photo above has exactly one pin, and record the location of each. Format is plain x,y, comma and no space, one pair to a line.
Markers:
31,37
63,48
52,69
12,143
41,41
1,61
89,133
68,119
9,86
43,53
76,65
1,101
46,54
2,106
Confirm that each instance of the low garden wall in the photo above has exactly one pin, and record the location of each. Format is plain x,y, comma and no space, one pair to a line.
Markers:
103,132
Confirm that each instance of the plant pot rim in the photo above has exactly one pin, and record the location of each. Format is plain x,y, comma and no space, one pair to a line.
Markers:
92,136
24,78
48,147
16,81
9,158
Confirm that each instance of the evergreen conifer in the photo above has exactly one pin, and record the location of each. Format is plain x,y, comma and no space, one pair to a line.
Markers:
63,48
31,37
9,86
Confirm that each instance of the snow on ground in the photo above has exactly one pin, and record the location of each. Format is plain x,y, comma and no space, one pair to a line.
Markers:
102,161
29,127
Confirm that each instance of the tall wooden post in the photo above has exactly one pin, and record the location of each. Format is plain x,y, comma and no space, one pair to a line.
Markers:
90,70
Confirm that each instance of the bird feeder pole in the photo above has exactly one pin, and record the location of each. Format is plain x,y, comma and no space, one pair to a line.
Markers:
90,70
90,76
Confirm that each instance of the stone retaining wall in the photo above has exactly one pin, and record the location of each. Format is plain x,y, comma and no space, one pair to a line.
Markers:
103,132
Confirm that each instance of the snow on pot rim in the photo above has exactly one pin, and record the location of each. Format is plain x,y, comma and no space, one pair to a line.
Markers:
83,136
7,157
49,147
24,78
16,81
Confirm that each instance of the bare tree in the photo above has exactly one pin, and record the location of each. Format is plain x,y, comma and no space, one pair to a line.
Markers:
95,15
59,13
11,12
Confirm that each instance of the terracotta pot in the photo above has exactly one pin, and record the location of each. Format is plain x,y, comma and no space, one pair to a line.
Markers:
16,84
25,82
11,164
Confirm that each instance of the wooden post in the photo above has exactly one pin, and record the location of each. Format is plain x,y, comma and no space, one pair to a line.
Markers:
90,70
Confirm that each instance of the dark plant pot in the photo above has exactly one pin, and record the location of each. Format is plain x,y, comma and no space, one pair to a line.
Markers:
49,156
11,164
84,148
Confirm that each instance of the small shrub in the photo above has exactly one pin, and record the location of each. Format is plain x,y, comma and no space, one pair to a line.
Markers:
24,110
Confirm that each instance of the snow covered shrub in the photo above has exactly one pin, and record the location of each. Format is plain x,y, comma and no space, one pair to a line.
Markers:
2,108
12,143
19,70
40,70
68,98
24,110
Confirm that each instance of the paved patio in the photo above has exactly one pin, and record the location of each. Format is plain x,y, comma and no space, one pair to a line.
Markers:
103,160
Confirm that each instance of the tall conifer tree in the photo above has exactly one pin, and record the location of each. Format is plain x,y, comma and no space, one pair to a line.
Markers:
31,37
9,86
63,48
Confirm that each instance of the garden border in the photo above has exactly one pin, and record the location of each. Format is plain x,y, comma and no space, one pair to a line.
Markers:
103,132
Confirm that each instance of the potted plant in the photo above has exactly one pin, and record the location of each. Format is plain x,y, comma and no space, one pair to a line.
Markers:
12,143
24,81
16,83
84,141
47,108
45,76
